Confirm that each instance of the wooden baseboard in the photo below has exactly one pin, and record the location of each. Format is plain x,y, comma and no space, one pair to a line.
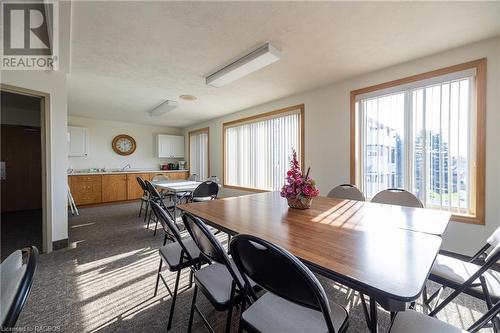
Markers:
60,244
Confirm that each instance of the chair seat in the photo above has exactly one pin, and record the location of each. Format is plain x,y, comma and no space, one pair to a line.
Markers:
171,254
271,313
457,272
416,322
201,199
215,282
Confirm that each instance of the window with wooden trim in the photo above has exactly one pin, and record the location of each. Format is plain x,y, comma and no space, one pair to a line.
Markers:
199,161
257,149
424,134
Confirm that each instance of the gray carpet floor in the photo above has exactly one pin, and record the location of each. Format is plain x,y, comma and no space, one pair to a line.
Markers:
104,282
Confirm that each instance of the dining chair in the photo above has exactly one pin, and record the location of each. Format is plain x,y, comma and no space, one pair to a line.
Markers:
474,277
155,196
206,191
179,254
295,301
415,322
346,191
17,273
397,196
220,281
144,198
187,194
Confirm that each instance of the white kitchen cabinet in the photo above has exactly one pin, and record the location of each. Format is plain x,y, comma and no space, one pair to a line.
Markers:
170,146
77,141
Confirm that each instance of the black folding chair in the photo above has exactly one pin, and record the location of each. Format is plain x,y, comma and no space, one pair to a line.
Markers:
207,190
416,322
144,198
220,281
295,301
18,272
479,281
179,254
154,196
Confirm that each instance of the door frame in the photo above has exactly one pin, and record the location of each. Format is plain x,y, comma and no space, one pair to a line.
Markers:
46,161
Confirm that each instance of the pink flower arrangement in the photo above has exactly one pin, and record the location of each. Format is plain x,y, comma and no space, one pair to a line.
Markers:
296,184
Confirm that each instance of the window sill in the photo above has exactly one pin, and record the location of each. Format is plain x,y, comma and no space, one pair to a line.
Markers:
249,189
469,219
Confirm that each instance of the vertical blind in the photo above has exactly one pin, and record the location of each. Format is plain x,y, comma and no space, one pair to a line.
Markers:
420,138
198,154
257,153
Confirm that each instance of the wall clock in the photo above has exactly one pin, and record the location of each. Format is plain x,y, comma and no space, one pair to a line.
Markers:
124,144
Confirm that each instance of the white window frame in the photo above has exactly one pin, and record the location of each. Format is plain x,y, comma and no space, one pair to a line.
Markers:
478,121
257,118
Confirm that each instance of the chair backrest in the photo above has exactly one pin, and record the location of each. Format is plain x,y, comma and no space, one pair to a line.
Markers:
168,224
142,184
17,274
194,177
397,196
346,191
209,245
206,189
280,272
152,190
164,218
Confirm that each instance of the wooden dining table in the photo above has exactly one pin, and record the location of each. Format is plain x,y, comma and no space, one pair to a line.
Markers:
383,251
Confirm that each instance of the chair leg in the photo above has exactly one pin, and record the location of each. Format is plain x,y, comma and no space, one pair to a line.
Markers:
140,209
230,310
156,227
158,278
190,279
149,218
146,211
191,314
174,297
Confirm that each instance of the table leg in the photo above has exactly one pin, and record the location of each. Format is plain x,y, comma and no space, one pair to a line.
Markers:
175,206
373,316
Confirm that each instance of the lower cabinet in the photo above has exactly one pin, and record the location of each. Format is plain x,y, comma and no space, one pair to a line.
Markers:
114,188
93,189
134,191
86,190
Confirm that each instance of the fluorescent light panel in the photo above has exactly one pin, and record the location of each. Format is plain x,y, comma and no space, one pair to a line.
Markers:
163,108
255,60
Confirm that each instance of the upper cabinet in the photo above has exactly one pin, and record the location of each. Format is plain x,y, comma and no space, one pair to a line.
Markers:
77,141
170,146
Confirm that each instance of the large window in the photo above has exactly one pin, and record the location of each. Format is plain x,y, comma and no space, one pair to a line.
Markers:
199,152
257,149
424,134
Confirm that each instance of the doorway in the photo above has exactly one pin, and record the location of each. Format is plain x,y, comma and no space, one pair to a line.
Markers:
21,170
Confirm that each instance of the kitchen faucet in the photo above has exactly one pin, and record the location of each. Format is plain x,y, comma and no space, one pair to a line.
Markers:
126,167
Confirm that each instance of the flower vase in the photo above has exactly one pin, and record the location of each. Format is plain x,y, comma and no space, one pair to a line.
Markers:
299,203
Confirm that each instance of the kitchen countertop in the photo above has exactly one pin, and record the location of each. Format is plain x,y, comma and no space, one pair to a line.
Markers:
122,172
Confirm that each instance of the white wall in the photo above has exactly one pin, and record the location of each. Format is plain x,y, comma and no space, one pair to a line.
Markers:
53,83
327,132
101,134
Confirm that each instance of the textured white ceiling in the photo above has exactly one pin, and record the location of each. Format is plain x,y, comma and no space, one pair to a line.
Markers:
127,57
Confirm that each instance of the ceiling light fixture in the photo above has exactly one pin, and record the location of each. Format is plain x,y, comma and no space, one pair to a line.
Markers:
188,97
163,108
255,60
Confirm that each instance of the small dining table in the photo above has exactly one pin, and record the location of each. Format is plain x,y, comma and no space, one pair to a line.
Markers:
176,187
383,251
